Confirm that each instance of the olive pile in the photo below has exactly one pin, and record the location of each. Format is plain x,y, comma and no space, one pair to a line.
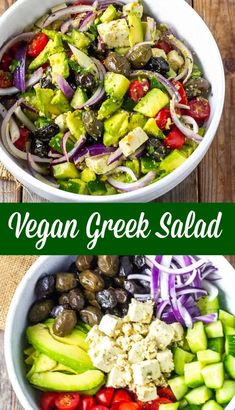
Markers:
92,287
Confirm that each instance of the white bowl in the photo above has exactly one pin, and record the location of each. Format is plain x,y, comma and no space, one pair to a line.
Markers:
190,27
24,297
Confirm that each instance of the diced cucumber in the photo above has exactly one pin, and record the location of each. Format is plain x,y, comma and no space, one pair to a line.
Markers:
229,364
211,405
207,306
192,407
199,396
96,188
66,170
228,330
193,374
213,375
216,344
169,406
225,394
226,318
208,356
183,404
181,357
75,185
214,329
196,337
230,344
178,387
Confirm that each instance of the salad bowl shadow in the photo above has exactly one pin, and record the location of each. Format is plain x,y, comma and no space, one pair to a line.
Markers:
24,296
190,28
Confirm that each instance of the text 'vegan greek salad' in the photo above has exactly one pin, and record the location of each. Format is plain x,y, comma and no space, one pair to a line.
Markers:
100,99
131,333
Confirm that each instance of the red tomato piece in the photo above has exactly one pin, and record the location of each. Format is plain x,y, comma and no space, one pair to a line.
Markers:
199,109
138,89
5,79
100,407
21,142
67,401
120,396
105,395
38,44
181,90
163,118
87,403
129,405
154,405
6,62
175,139
166,392
47,401
164,45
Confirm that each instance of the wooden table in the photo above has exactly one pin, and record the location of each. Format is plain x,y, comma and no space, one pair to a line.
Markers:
212,181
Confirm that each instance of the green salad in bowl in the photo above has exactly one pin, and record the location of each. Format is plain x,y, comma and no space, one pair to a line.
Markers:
100,98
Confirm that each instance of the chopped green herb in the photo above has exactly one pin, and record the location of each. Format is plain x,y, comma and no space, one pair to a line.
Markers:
156,84
14,65
196,73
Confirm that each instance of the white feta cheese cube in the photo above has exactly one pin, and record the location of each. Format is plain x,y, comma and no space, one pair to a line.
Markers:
136,353
140,312
158,52
133,8
165,359
147,393
109,324
162,333
146,371
132,141
175,60
116,378
127,329
115,33
100,164
178,331
104,354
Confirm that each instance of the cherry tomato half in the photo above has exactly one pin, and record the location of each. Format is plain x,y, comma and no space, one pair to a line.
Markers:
21,142
105,395
138,89
199,109
166,392
120,396
87,403
129,405
67,401
100,407
5,79
154,405
163,119
182,93
164,45
175,139
37,44
47,401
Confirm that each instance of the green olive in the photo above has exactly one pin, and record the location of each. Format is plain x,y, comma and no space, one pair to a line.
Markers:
91,281
117,64
108,264
91,315
64,323
140,56
40,310
65,281
84,262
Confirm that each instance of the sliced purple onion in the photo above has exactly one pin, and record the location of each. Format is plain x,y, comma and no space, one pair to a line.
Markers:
126,170
84,60
128,187
34,79
181,75
80,156
139,152
66,11
64,141
206,319
155,280
71,23
164,290
41,169
88,20
24,119
99,149
188,58
185,130
115,156
19,74
191,121
138,276
14,130
17,39
182,106
71,154
161,307
151,261
104,4
64,86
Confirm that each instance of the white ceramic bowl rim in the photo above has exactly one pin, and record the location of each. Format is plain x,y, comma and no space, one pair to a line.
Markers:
170,180
220,262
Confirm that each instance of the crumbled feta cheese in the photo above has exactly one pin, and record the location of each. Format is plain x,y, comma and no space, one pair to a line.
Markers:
158,52
104,354
178,332
109,324
146,371
136,354
165,359
139,312
116,378
132,141
162,333
147,393
127,329
141,328
115,33
133,8
175,60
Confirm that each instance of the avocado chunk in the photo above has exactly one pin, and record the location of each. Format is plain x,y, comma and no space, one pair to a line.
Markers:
109,14
116,85
79,98
152,103
55,143
137,120
60,103
42,58
75,124
43,363
56,381
87,175
66,170
76,337
44,97
152,129
59,64
115,128
136,34
109,107
172,161
79,39
100,164
75,185
71,356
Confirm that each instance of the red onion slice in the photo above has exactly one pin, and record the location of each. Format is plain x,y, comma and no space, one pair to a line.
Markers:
206,319
63,144
71,154
142,182
37,168
19,74
66,11
191,121
185,130
64,86
181,271
125,170
14,130
115,156
10,43
84,60
34,79
24,119
87,21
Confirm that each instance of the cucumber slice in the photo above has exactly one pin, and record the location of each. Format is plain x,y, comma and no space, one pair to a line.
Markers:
192,407
207,306
213,375
196,337
229,364
216,344
225,394
199,396
208,356
193,374
211,405
169,406
178,386
230,345
214,329
181,357
226,318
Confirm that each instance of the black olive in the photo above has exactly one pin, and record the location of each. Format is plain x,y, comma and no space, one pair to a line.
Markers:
132,287
76,299
84,262
46,81
64,299
159,65
57,310
107,298
119,281
116,311
8,101
64,323
124,309
91,315
197,88
117,64
98,50
139,260
93,126
40,310
45,286
108,282
108,264
126,266
46,133
121,295
86,81
156,149
39,148
65,281
91,281
73,268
